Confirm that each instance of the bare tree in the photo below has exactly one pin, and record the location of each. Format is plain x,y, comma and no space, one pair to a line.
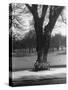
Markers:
43,35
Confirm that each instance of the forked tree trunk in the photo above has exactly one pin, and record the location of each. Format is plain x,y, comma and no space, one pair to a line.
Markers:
43,39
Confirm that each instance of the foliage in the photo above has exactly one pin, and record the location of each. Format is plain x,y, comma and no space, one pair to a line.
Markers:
30,41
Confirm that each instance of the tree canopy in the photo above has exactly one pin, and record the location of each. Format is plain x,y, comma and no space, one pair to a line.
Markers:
21,19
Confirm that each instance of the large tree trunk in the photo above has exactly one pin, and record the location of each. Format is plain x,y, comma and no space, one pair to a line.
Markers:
42,40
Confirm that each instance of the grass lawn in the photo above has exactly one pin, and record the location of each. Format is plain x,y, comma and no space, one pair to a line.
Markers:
54,58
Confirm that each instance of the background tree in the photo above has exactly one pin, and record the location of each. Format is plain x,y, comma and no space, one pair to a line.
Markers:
57,41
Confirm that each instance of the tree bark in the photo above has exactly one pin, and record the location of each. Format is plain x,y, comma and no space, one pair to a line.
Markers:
42,46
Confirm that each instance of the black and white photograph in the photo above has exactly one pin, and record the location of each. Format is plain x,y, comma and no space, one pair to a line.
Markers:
37,44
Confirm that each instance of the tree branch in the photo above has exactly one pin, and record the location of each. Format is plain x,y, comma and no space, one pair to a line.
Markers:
33,10
53,16
44,10
55,12
29,7
34,7
63,18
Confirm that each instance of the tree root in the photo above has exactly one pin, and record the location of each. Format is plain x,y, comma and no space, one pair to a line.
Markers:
39,66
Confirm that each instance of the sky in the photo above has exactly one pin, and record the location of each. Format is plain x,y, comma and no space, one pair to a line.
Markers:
61,30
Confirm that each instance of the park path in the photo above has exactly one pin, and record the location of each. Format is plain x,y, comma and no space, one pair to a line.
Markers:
31,75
